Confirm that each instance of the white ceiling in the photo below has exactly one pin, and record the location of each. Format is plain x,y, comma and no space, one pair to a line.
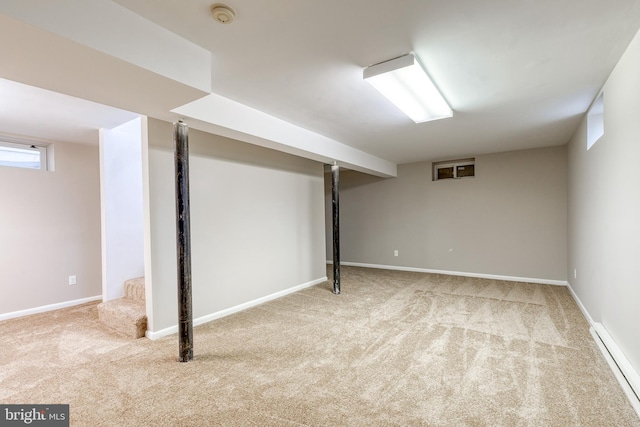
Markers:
518,73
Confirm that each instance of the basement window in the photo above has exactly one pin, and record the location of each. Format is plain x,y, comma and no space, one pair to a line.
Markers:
23,155
454,169
595,121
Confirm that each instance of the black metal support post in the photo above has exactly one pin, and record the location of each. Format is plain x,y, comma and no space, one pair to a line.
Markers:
183,240
335,177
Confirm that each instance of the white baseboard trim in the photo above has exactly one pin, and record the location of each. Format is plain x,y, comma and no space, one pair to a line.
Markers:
583,309
457,273
50,307
620,366
155,335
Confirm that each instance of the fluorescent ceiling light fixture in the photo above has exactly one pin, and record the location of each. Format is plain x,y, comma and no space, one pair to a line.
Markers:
406,84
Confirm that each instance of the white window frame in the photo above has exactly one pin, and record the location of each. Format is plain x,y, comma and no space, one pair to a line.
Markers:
452,164
41,148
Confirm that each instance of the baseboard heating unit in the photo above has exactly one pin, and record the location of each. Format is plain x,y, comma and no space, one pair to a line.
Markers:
620,365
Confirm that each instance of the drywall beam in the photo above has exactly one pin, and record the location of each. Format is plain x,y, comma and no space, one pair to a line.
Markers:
116,31
77,70
223,116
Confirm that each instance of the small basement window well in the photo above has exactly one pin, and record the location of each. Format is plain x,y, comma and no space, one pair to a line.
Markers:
454,169
23,154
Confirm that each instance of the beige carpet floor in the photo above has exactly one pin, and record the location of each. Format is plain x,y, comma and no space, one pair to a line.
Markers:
395,349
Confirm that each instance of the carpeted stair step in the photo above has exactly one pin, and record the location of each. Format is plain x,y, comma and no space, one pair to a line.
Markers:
134,289
125,315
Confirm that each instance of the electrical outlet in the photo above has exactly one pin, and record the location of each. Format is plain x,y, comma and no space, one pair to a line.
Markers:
395,252
73,280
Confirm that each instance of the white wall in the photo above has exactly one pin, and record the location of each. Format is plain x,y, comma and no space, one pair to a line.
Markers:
604,210
509,220
49,230
257,223
121,198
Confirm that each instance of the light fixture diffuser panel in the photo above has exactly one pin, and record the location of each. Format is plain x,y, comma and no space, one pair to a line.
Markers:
404,82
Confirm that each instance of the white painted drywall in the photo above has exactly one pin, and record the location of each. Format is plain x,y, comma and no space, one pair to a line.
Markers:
84,72
49,230
121,199
110,28
257,223
223,116
509,220
604,210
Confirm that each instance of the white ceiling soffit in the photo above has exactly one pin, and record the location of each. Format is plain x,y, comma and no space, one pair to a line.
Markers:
42,114
220,115
112,29
39,58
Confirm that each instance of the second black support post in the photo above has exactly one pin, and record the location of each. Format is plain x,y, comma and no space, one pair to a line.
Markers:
335,178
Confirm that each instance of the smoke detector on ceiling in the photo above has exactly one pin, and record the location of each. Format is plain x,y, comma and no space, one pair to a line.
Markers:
223,13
